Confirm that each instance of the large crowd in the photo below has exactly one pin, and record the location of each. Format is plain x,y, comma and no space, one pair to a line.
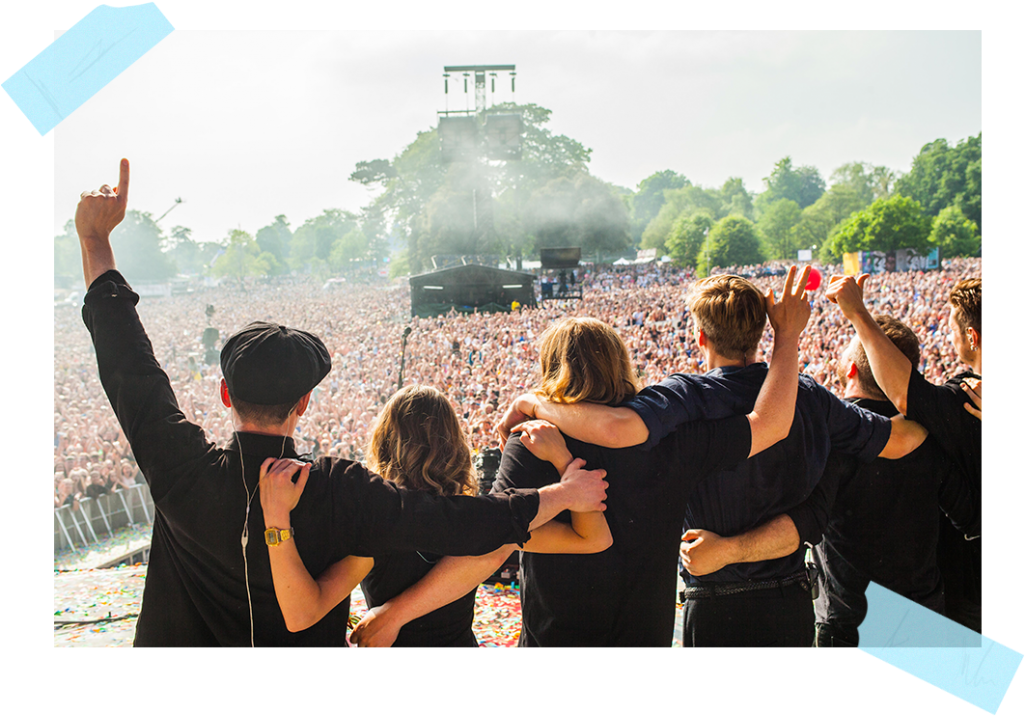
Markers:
480,361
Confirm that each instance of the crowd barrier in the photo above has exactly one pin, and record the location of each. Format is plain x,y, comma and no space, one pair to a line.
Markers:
100,516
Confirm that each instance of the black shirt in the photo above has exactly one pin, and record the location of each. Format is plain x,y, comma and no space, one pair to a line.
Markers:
626,595
196,590
884,519
777,479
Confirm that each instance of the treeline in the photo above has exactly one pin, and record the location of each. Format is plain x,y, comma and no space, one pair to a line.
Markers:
428,207
938,203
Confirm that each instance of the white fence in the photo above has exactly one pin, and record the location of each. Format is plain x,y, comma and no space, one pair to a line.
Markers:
98,517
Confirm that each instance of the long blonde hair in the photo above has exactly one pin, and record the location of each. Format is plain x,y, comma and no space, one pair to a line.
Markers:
584,359
417,443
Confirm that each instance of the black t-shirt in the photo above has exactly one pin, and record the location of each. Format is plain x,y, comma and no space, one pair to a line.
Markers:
451,625
626,595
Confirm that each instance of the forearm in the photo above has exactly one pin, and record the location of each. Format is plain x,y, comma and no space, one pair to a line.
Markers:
97,257
890,368
299,595
773,412
588,534
595,424
450,579
774,539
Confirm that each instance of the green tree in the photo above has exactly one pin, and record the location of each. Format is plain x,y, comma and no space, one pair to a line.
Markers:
313,242
680,202
955,234
190,256
688,236
242,258
943,176
777,227
736,199
582,211
822,218
802,185
136,242
276,239
649,198
732,241
886,225
499,190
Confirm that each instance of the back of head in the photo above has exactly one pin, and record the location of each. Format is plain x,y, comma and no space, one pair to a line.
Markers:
966,299
731,312
268,368
902,336
584,359
417,443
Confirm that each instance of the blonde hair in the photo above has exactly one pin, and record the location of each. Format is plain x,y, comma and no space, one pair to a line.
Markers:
583,359
417,443
966,299
731,312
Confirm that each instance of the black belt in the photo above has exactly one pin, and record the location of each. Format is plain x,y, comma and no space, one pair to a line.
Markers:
721,590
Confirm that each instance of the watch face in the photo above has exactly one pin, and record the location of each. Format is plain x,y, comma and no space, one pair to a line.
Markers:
272,537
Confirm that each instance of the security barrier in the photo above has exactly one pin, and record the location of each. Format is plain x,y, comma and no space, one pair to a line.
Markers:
100,516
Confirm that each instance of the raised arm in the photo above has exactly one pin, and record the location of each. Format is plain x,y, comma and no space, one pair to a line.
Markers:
773,412
97,214
890,368
905,437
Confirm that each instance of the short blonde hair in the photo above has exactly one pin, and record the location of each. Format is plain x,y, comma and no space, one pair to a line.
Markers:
966,300
417,443
731,312
584,360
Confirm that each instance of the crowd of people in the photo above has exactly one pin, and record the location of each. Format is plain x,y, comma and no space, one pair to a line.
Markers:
480,361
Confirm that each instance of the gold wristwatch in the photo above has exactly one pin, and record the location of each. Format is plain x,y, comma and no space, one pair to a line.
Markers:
274,536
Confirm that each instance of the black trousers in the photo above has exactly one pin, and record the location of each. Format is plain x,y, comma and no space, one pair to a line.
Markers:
780,616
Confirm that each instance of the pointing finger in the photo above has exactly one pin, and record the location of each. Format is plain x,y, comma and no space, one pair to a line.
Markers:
122,183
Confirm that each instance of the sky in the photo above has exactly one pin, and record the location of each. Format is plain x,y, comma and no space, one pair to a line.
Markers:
232,122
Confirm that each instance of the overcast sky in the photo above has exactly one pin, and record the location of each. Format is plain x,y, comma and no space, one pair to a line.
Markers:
247,125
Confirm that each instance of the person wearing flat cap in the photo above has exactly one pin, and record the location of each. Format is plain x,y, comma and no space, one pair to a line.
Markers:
209,581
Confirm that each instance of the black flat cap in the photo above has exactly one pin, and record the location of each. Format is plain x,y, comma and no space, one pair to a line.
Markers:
268,364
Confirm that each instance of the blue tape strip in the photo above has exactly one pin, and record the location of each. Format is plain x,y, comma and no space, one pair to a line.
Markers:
936,649
83,60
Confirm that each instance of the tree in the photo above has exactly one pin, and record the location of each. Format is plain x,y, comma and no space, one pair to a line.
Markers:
777,226
886,225
242,258
688,236
276,239
955,234
645,204
498,190
821,219
582,211
313,242
680,202
943,176
802,185
190,256
732,241
736,199
136,242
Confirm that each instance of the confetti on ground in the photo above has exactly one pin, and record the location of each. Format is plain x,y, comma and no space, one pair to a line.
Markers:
122,542
92,595
88,595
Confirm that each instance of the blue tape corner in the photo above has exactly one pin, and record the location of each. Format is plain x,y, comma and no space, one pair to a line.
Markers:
936,649
83,60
